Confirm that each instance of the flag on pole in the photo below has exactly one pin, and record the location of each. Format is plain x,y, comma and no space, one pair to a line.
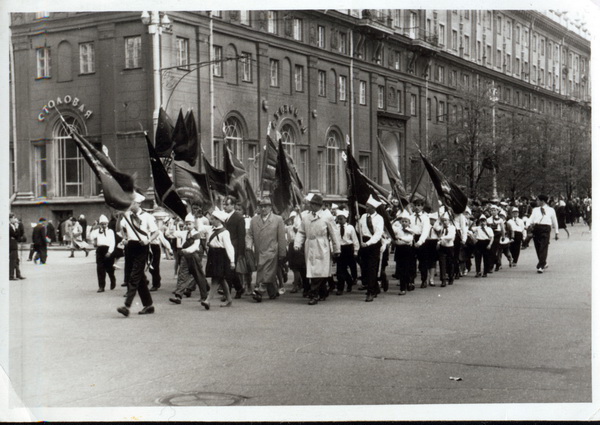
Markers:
425,191
217,179
164,189
359,189
117,186
191,186
238,182
393,175
281,193
163,140
185,138
448,192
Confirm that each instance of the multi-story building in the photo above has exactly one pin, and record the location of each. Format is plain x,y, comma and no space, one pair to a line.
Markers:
317,77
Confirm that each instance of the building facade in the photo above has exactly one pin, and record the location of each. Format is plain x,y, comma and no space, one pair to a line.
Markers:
317,77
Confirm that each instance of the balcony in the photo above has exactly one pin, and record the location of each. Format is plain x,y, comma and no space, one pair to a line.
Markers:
426,40
376,20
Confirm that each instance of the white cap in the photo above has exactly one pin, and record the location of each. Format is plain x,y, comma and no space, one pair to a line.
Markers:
309,197
293,214
515,209
103,219
403,214
433,215
138,197
344,213
468,210
373,202
334,206
502,212
220,215
81,217
483,217
190,218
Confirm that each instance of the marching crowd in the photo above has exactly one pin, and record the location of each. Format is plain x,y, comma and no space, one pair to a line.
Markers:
316,242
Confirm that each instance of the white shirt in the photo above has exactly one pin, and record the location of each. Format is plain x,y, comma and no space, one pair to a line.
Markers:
350,237
184,235
402,236
516,224
483,233
377,222
548,218
104,237
147,225
222,240
447,235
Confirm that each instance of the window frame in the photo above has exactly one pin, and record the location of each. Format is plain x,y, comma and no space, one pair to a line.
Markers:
183,55
43,60
135,61
322,77
273,72
217,57
343,88
246,62
87,61
299,78
297,30
362,92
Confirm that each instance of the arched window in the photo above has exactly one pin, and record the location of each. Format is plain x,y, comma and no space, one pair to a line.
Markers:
286,76
332,164
68,160
234,136
65,62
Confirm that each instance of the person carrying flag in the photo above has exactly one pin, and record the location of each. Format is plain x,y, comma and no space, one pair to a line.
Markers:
105,242
140,229
371,230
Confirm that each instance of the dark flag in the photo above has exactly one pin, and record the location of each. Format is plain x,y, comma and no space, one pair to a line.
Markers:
393,175
281,193
117,186
192,132
359,190
191,186
269,163
238,183
449,193
164,135
217,179
424,190
185,144
165,192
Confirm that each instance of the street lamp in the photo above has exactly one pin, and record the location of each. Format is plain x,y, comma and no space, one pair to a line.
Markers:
494,99
156,23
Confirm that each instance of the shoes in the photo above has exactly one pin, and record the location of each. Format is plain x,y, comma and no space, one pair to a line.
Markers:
124,284
124,311
227,304
29,259
450,282
187,293
205,304
322,298
100,290
154,288
497,268
423,284
256,297
484,275
223,298
313,301
112,285
272,297
514,265
71,256
147,310
443,283
21,277
402,293
238,294
431,283
540,270
362,288
220,291
86,252
175,300
510,264
304,294
339,292
349,289
478,275
12,278
369,298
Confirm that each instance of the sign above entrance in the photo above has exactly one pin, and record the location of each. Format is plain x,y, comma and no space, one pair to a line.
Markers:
288,111
65,100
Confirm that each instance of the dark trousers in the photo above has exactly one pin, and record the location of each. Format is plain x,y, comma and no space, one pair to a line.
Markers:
136,256
515,246
481,252
193,264
155,265
104,266
233,280
41,251
495,252
423,266
404,256
318,287
446,258
541,240
369,264
457,248
344,263
413,263
13,264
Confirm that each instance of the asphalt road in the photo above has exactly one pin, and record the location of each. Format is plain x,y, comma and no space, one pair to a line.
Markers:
515,337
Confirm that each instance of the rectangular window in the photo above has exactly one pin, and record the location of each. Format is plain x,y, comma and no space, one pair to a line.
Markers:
508,29
321,36
133,52
245,17
467,46
41,171
454,44
246,62
440,74
489,20
274,65
183,52
542,46
499,25
303,165
518,34
479,50
272,21
453,77
428,109
217,13
86,58
441,112
397,18
343,43
526,37
364,164
297,24
498,58
321,170
489,54
43,62
508,62
442,35
363,92
413,105
535,43
412,30
343,82
322,83
517,66
380,97
217,61
397,61
69,167
299,77
399,100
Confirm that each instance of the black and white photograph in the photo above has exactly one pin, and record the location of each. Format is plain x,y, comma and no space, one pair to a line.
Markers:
298,212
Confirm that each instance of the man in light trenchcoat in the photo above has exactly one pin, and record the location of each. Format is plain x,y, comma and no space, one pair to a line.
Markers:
267,236
316,233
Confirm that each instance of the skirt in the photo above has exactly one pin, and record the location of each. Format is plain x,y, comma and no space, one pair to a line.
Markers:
217,263
429,252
